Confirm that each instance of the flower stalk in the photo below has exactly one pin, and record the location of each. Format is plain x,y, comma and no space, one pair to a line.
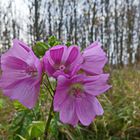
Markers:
50,90
48,122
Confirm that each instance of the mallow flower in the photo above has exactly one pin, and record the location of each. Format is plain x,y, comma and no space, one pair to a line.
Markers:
75,97
94,59
21,74
62,60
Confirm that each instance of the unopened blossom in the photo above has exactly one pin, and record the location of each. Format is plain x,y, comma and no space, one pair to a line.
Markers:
21,74
94,59
76,100
62,60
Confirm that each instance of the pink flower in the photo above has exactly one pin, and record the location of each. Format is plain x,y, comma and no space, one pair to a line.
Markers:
21,74
94,59
75,98
62,60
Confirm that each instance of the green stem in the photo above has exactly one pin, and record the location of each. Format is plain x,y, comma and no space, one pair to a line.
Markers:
48,122
48,90
49,83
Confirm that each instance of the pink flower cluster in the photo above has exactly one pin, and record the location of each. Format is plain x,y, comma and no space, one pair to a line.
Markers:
79,75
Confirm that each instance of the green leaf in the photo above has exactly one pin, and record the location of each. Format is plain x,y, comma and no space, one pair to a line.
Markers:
53,41
22,138
40,48
1,103
18,106
68,43
36,129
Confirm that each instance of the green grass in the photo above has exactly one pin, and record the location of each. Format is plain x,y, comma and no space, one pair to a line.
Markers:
6,115
121,119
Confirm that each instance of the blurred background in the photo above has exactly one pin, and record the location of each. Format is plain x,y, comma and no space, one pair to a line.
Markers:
116,24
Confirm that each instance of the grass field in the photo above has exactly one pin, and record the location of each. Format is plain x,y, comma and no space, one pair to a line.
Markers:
121,119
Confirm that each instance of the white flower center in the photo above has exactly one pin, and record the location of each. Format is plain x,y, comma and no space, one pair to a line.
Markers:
62,67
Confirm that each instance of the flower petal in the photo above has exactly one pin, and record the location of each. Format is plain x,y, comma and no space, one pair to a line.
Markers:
18,43
60,96
10,78
19,50
67,112
61,93
96,105
94,59
56,53
72,53
85,110
48,67
74,59
95,85
25,92
15,63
